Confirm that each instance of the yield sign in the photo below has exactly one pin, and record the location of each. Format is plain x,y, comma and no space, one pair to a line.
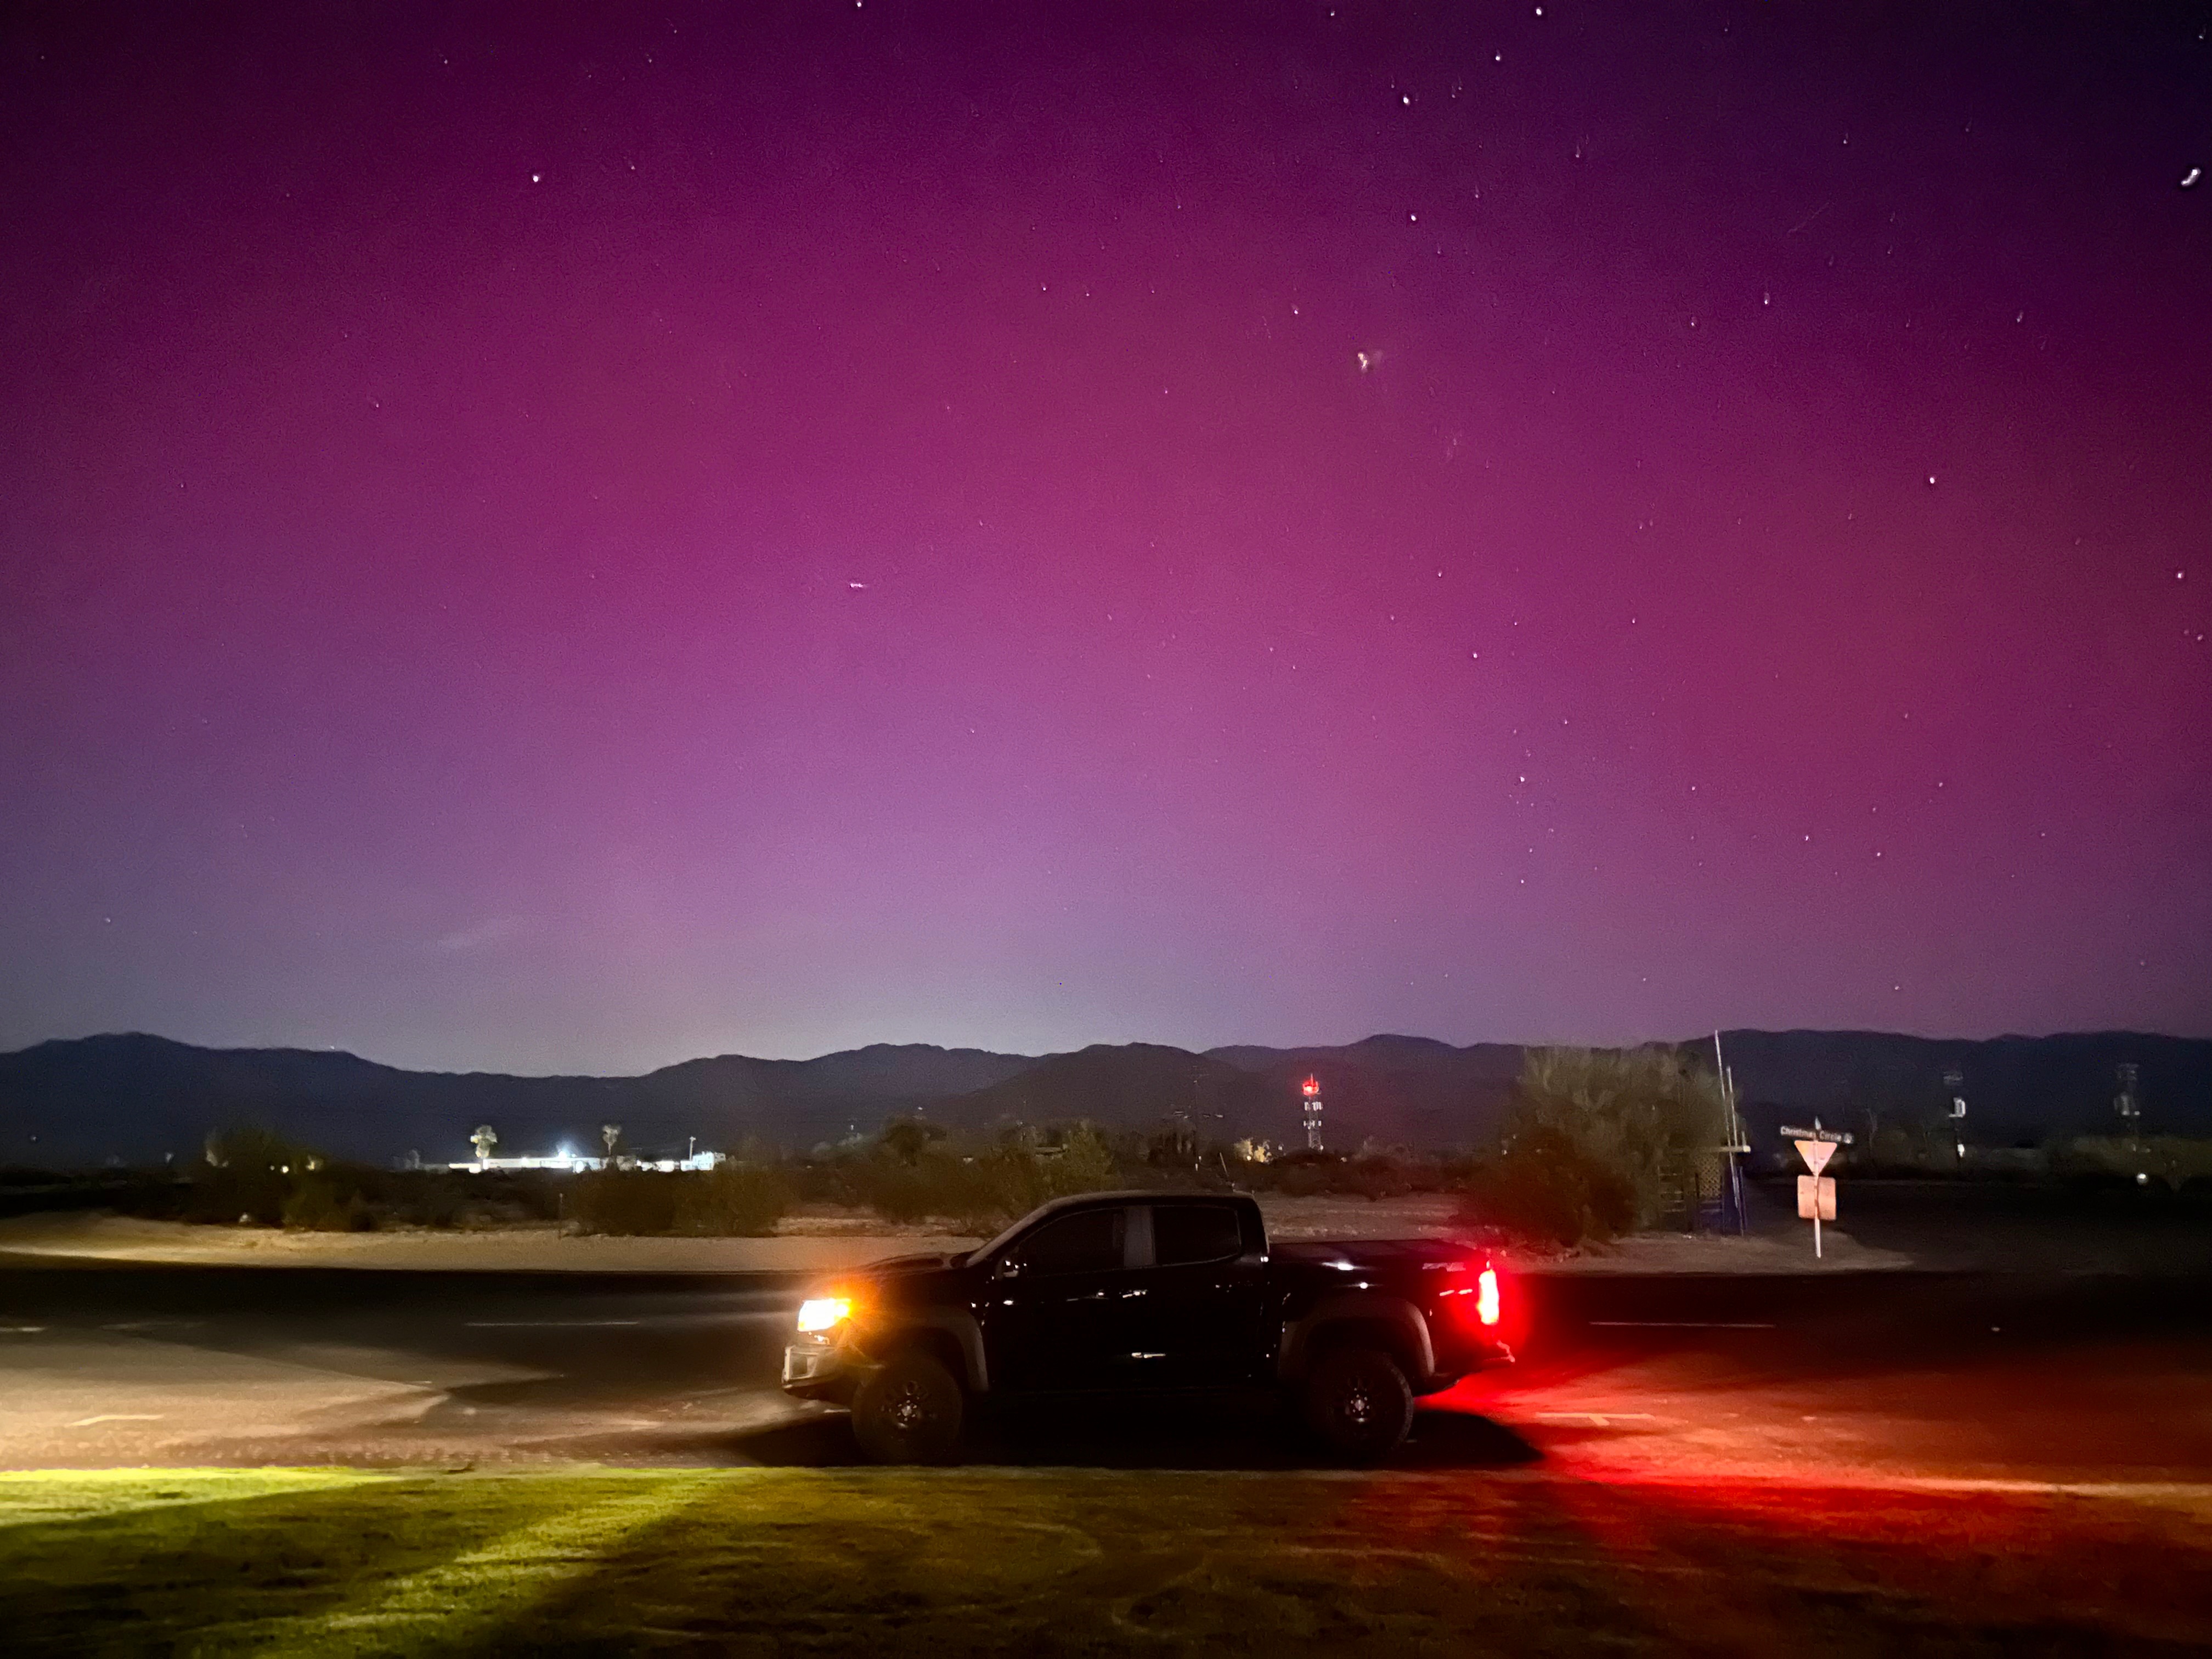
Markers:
1816,1153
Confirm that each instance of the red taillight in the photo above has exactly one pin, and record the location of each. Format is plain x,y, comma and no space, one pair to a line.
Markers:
1486,1307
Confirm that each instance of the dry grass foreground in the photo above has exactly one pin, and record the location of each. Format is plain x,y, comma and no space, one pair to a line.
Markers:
1059,1561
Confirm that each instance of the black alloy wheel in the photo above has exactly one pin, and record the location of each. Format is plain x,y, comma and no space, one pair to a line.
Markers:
910,1412
1359,1404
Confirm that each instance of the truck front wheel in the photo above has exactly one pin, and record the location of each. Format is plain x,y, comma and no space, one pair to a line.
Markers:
1359,1404
910,1412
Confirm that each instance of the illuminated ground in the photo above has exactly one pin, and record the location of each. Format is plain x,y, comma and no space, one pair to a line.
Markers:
1059,1561
1868,1464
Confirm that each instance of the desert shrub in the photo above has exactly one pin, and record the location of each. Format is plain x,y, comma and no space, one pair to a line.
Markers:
248,1174
1549,1189
1378,1177
1304,1178
1588,1141
627,1202
2174,1161
742,1200
322,1202
910,1179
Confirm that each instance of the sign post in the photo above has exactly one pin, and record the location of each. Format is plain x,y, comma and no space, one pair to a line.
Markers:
1816,1192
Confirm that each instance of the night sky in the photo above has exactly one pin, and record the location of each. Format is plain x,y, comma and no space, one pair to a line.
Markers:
569,538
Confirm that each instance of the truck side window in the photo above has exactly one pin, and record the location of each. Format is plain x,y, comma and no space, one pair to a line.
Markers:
1185,1233
1088,1242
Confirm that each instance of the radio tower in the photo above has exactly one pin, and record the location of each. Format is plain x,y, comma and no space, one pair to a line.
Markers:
1311,1088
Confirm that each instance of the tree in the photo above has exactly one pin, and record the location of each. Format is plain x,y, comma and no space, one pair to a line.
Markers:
1591,1138
484,1139
906,1139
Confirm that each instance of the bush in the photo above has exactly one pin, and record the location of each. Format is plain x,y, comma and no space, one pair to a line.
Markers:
2175,1161
1589,1136
320,1204
740,1201
627,1202
1550,1190
249,1174
1378,1177
907,1180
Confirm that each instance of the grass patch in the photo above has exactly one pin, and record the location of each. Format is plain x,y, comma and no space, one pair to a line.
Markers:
1057,1562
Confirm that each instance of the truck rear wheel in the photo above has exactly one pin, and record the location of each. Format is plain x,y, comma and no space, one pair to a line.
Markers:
1359,1404
910,1412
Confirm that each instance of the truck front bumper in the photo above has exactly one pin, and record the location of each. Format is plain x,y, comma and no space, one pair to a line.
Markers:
821,1371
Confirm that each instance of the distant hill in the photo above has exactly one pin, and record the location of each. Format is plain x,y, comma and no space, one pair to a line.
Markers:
138,1099
1399,1090
1130,1086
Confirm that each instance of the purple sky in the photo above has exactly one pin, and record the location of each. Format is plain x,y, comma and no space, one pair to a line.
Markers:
569,546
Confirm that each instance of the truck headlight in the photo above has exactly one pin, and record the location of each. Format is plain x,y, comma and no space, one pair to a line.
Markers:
824,1313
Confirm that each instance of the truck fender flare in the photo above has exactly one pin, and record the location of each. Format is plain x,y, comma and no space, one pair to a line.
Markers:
1356,1307
958,1323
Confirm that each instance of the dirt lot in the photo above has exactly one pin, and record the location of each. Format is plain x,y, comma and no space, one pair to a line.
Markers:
823,1240
1886,1226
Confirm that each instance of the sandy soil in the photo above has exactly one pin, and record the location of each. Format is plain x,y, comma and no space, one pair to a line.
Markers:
824,1240
543,1248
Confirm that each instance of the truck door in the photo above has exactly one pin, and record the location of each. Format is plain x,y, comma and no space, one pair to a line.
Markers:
1200,1323
1056,1309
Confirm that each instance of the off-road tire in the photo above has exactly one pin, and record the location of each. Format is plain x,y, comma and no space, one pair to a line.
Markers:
910,1412
1358,1404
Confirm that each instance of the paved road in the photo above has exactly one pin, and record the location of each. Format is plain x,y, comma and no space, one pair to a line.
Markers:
1878,1378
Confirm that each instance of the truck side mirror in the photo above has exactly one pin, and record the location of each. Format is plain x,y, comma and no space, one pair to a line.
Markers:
1007,1267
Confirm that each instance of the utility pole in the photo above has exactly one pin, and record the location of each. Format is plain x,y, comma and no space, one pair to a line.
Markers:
1736,1144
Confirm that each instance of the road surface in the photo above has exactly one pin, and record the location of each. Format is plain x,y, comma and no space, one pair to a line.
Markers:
1935,1377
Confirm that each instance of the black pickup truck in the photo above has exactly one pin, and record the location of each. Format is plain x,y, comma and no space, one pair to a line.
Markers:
1124,1292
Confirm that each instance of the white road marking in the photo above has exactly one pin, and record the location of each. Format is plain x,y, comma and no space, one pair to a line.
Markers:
117,1417
1680,1324
21,1330
547,1324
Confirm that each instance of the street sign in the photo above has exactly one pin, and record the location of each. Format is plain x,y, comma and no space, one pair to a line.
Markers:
1816,1197
1816,1192
1816,1153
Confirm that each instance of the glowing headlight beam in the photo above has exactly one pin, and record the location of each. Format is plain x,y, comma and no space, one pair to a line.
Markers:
824,1313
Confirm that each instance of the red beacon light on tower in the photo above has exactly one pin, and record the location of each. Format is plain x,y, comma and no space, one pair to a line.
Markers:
1310,1088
